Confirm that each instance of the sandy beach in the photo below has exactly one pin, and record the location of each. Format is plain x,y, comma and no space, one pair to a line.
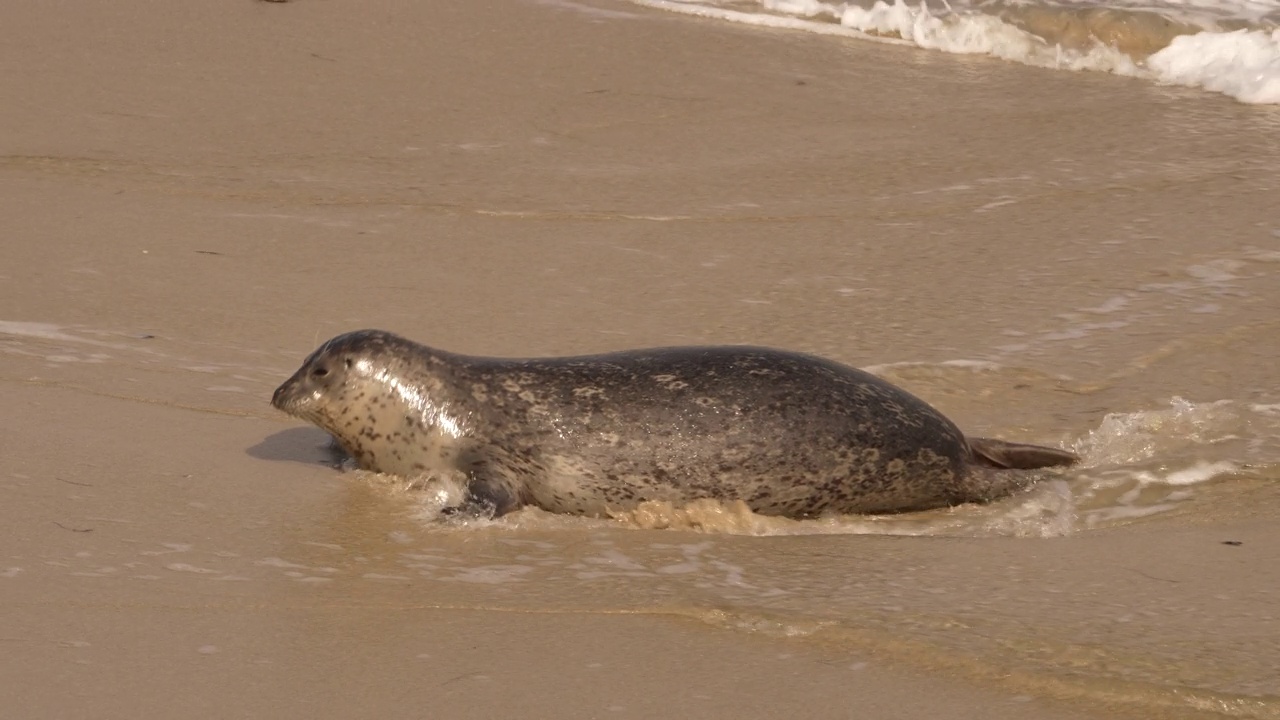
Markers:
194,196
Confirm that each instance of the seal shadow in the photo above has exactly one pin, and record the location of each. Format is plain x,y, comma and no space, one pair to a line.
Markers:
300,444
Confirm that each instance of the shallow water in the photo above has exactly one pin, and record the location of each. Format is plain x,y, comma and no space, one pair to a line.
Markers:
851,582
1129,635
1227,46
1135,464
1070,259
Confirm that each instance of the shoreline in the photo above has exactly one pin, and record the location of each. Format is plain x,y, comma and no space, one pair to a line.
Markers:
195,196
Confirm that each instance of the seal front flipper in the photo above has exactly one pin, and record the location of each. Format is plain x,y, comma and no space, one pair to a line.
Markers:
487,495
484,500
1018,456
469,508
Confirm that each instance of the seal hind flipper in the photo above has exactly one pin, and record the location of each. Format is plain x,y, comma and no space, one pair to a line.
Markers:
1018,456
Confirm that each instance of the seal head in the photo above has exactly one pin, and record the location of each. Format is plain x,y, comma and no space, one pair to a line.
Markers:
375,394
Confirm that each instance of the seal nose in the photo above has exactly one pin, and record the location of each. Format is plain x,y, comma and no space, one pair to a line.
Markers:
278,397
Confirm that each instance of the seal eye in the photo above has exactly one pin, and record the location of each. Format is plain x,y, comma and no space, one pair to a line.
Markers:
319,372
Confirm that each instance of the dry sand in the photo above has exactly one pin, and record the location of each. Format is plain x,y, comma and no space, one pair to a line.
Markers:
194,194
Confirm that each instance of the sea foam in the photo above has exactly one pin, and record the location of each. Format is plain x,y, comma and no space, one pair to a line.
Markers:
1226,46
1244,64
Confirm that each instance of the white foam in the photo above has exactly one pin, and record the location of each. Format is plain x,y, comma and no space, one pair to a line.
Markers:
971,33
1200,472
974,365
588,10
45,331
1127,438
979,34
1244,64
775,21
492,574
187,567
1119,302
1124,513
278,563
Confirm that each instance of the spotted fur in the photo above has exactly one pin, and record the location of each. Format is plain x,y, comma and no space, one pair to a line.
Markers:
786,433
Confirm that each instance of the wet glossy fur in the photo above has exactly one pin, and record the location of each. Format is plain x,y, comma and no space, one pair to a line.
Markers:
788,434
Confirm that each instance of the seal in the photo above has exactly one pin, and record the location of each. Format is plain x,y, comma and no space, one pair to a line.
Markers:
786,433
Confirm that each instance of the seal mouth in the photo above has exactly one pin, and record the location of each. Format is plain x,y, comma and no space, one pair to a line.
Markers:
287,399
280,399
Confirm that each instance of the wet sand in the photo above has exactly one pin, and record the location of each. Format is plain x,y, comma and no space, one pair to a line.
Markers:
193,197
136,618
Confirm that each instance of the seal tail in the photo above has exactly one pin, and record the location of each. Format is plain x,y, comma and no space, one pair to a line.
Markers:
1018,456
